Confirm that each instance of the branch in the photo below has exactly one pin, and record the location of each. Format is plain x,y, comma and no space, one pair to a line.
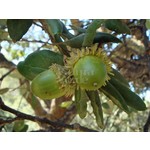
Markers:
55,125
4,121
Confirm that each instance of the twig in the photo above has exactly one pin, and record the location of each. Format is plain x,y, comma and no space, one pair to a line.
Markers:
6,74
34,41
39,41
4,121
54,38
38,25
55,125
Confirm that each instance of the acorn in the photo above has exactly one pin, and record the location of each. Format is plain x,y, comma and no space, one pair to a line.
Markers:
52,83
90,67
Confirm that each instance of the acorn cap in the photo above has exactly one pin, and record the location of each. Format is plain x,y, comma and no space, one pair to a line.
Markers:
64,79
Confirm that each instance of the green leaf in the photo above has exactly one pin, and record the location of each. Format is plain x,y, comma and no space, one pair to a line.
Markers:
4,90
78,29
28,71
75,42
66,33
91,31
18,125
97,107
81,103
148,23
54,26
38,62
132,99
18,27
117,25
100,37
25,128
119,77
113,94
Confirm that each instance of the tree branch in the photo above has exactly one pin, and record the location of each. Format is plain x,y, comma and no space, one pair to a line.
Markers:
55,125
6,121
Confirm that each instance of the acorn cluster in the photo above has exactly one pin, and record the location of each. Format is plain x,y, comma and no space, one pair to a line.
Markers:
87,68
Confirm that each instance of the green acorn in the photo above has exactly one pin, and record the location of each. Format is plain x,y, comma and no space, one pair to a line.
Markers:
90,67
52,83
